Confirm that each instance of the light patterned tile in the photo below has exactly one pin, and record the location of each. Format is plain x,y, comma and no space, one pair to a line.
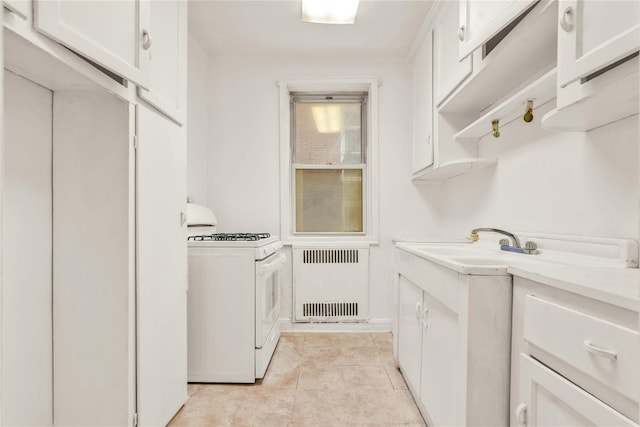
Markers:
383,341
389,407
193,389
265,409
326,408
314,379
396,378
320,377
366,377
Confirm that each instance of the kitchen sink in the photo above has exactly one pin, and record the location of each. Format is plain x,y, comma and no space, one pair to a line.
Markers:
477,260
465,258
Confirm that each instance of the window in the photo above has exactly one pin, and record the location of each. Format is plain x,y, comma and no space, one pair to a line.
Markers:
328,162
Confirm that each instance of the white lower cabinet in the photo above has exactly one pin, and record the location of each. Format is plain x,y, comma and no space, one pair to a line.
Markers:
548,399
410,331
453,342
440,379
575,359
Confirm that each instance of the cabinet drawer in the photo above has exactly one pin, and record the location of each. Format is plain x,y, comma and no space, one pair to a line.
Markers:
594,351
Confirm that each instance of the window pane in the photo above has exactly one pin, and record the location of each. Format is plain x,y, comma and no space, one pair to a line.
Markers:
329,200
328,133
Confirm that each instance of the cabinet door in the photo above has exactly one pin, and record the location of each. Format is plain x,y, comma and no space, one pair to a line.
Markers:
168,80
423,105
440,363
594,34
482,19
113,34
410,332
449,71
547,399
161,267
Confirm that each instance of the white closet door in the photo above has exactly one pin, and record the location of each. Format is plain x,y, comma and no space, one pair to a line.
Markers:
162,267
26,246
93,280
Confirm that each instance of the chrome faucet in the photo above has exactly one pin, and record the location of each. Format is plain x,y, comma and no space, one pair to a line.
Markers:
530,248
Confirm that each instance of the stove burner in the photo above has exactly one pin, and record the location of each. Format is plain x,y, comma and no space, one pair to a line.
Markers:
230,237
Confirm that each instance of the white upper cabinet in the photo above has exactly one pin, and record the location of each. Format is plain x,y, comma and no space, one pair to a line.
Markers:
167,85
480,20
595,34
423,105
113,34
448,69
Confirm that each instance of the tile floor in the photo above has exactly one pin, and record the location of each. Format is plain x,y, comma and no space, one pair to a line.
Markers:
315,379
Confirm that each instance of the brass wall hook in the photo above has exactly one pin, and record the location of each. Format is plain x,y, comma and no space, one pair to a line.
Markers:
528,114
495,125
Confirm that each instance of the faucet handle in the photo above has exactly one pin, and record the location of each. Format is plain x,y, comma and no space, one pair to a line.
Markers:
473,237
504,242
531,247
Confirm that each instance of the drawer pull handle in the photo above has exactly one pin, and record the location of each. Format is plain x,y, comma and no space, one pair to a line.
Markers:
418,310
607,354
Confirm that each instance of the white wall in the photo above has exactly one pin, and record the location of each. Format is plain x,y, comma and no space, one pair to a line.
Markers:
243,184
551,182
197,123
578,183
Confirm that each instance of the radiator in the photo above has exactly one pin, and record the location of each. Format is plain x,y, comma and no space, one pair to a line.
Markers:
331,284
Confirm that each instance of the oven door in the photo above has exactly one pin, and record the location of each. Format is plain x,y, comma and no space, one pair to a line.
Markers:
268,295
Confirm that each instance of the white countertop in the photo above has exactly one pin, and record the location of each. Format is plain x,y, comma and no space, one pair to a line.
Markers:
614,285
617,286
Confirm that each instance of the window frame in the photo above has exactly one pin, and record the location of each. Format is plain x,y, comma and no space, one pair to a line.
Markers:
369,167
321,98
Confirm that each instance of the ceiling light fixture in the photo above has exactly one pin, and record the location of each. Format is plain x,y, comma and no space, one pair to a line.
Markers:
329,11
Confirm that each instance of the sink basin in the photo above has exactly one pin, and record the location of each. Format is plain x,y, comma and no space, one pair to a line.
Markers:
464,258
478,260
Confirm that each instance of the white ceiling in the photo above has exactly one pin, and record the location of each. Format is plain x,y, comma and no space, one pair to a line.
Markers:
383,28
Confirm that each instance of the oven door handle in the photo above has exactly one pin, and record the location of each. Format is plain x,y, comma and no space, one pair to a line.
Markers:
271,266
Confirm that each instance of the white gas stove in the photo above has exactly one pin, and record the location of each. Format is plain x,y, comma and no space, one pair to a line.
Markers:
233,305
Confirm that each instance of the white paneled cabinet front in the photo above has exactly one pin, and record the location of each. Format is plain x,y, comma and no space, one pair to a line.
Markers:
575,359
113,34
448,70
161,267
410,332
482,19
594,34
548,399
423,155
440,351
168,62
453,342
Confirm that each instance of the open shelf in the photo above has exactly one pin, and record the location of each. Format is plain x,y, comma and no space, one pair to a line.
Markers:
454,168
540,91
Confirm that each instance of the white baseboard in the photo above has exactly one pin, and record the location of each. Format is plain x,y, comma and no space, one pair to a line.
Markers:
371,325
